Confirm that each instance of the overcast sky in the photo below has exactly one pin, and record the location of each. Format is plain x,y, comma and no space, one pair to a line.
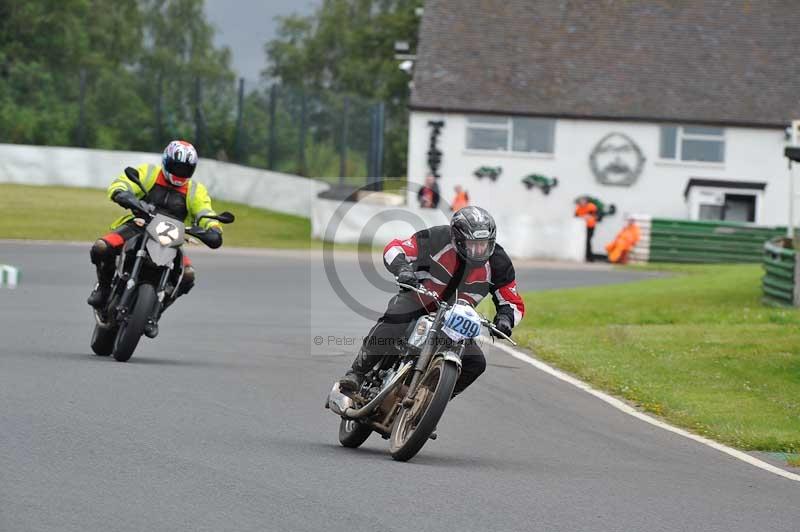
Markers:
245,25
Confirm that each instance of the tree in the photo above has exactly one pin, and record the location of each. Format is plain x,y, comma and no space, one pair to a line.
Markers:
347,47
46,47
116,74
180,64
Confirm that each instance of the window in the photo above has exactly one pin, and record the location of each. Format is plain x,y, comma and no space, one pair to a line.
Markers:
692,143
526,135
736,208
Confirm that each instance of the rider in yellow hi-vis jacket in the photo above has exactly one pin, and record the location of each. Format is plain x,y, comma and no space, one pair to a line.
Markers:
170,191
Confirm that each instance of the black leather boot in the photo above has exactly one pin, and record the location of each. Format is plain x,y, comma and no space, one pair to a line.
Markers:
99,295
351,382
105,274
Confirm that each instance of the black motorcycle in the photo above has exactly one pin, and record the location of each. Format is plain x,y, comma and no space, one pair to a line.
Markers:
404,395
141,288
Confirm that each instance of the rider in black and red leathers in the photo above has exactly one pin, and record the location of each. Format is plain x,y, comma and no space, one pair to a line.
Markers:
461,257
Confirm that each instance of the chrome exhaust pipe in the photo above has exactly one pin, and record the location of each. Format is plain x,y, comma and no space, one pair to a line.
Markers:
342,405
338,402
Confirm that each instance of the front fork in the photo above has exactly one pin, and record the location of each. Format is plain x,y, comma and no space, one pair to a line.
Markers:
130,286
424,358
130,283
161,291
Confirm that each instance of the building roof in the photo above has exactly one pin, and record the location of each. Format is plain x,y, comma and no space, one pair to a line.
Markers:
699,61
722,183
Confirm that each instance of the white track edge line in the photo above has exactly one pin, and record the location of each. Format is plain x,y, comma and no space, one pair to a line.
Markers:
626,408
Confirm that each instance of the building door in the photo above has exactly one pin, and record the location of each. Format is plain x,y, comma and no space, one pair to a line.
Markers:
739,208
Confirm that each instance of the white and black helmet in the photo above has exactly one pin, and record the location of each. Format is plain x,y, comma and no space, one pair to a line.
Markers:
473,233
179,162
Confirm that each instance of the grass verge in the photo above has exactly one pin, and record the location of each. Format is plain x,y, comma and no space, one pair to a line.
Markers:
697,349
82,214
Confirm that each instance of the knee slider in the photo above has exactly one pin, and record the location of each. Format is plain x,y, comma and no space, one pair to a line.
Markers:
187,282
100,251
188,275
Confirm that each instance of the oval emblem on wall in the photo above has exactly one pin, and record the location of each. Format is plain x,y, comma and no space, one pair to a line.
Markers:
616,160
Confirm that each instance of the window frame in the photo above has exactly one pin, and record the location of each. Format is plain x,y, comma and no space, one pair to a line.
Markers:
681,135
508,127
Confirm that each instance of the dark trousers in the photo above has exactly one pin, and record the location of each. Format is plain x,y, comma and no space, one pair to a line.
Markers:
589,235
390,332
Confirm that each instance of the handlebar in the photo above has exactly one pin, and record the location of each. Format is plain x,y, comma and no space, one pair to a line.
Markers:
486,323
496,331
419,290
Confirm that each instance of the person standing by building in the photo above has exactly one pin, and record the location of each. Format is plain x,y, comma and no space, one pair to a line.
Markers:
428,195
588,211
461,200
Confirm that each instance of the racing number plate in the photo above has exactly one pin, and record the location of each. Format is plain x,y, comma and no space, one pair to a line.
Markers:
462,322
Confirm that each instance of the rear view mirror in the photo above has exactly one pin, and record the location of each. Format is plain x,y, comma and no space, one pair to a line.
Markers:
226,217
133,175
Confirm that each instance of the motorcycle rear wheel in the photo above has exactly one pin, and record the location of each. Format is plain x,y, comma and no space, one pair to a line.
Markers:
352,433
413,426
103,340
131,331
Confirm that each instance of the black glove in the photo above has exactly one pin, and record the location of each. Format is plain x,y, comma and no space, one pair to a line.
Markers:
405,275
502,323
127,200
211,238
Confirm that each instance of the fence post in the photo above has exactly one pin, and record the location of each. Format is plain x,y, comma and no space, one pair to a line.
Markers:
273,96
371,149
302,143
796,294
160,110
343,146
238,141
375,159
381,119
82,109
199,125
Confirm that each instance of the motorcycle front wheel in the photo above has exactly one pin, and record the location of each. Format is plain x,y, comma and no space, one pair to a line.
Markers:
131,330
413,426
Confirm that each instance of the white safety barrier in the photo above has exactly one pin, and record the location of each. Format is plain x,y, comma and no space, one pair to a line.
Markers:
522,236
641,251
9,276
78,167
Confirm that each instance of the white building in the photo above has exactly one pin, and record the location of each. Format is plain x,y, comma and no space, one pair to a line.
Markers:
677,112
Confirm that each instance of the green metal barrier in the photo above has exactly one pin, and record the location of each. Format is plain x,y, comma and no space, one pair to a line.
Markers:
685,241
779,274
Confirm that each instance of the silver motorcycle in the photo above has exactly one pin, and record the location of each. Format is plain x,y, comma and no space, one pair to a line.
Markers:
140,289
404,395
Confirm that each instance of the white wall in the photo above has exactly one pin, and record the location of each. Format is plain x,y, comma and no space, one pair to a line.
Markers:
77,167
369,223
520,235
750,155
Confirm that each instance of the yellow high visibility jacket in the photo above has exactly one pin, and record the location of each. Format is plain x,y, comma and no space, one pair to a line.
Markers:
198,202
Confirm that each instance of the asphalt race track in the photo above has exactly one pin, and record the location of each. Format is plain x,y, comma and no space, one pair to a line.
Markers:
218,424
